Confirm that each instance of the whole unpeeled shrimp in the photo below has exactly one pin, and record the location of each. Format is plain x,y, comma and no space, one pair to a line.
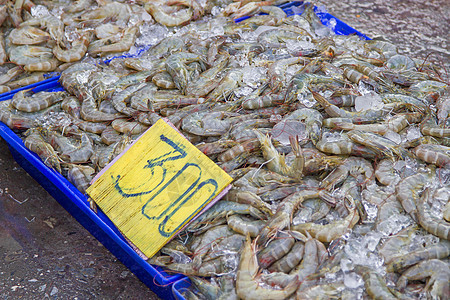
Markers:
430,127
28,35
407,191
36,143
354,166
3,55
75,53
375,284
247,286
276,162
283,216
54,26
430,223
438,155
329,232
439,274
378,143
207,80
125,43
437,251
42,66
385,172
35,102
157,11
364,116
10,74
275,249
395,124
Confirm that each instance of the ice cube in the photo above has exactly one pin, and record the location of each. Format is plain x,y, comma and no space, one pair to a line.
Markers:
306,99
216,10
286,128
39,11
321,10
393,136
252,75
368,101
243,91
352,280
372,239
151,34
332,23
346,264
413,133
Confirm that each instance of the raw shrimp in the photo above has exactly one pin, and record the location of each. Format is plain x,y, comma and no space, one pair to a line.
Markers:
207,80
35,77
177,68
124,126
385,172
244,225
375,284
247,286
80,176
379,144
10,74
407,191
364,116
437,251
430,223
125,43
354,166
42,66
285,210
176,19
89,112
312,120
276,162
54,26
205,123
28,35
438,155
36,143
75,53
329,232
396,124
26,54
290,260
439,274
3,55
31,102
275,249
430,127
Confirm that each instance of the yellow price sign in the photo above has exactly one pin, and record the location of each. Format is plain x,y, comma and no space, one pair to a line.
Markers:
156,186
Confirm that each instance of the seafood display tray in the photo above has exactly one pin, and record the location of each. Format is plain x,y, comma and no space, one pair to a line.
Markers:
98,224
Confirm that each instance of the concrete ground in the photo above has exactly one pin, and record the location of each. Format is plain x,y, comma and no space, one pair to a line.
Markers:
46,254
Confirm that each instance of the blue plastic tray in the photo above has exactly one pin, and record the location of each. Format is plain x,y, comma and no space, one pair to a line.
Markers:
76,204
99,225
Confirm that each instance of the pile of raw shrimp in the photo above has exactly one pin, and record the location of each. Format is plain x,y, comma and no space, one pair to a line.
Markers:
39,39
338,147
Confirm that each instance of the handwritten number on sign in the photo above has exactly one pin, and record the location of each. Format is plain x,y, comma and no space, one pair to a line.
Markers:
190,176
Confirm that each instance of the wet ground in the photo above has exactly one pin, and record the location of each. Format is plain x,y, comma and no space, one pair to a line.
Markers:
45,253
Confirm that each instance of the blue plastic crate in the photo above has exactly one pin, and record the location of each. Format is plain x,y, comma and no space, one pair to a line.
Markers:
98,224
164,285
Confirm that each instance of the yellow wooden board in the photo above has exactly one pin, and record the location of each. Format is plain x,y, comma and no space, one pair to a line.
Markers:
160,183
